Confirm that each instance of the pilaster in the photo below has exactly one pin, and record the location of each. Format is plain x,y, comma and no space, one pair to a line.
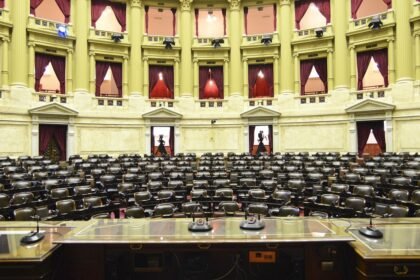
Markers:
286,76
19,11
235,28
136,32
81,25
340,15
186,42
404,48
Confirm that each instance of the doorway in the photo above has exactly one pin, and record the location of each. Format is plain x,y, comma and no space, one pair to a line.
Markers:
162,140
53,142
260,139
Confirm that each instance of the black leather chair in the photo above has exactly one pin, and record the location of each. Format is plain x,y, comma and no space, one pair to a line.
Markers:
65,206
59,193
135,212
398,194
286,211
164,210
24,214
356,203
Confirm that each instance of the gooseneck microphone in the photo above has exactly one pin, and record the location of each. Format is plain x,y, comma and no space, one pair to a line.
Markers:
33,236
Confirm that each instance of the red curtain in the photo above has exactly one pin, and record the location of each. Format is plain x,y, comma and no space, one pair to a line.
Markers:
197,12
270,138
41,61
355,5
172,140
217,76
324,8
363,60
251,137
59,65
152,140
224,21
363,131
300,9
64,6
389,3
322,69
379,133
146,10
246,19
253,70
305,71
116,69
275,16
120,13
56,132
34,5
381,58
98,6
101,69
1,4
173,10
167,74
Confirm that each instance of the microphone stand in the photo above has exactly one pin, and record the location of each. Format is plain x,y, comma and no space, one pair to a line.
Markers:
371,231
200,225
252,223
33,236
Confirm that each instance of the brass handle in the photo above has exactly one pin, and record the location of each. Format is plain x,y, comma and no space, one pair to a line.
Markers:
400,270
136,247
204,246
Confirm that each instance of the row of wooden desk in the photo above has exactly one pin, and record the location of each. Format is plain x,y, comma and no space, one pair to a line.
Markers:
287,248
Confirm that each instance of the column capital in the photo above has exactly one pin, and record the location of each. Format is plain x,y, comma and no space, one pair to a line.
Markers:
244,59
226,60
125,57
145,58
70,51
185,5
136,3
276,57
195,60
31,44
284,2
91,53
352,47
330,50
390,40
177,60
295,55
234,4
5,39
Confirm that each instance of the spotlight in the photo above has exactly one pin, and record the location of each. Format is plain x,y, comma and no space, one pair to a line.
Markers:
319,32
216,42
117,37
267,39
62,31
375,23
168,42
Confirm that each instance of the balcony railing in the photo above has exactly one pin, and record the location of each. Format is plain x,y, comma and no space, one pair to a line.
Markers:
313,97
266,101
373,92
363,23
106,35
304,34
157,40
256,39
207,41
158,103
48,25
110,101
49,96
211,103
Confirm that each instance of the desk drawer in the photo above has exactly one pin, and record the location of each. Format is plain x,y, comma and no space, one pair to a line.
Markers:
389,268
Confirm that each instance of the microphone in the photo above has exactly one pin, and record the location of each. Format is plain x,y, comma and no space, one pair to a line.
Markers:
370,231
33,237
252,223
200,225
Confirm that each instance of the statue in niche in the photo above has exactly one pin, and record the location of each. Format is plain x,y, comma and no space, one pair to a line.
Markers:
161,148
261,147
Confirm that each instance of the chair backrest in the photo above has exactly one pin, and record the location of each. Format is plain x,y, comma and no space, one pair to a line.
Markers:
364,190
399,194
126,187
229,207
288,211
165,194
340,188
258,208
256,193
224,192
59,193
330,199
65,206
283,195
415,196
188,208
92,201
4,200
24,214
134,212
356,203
165,210
398,210
197,193
22,197
142,196
81,190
